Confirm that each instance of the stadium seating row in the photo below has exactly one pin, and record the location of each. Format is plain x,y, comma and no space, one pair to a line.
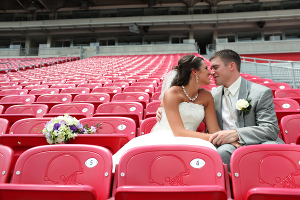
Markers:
151,172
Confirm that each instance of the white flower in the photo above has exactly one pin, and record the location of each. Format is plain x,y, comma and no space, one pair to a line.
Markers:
242,103
60,139
49,141
49,127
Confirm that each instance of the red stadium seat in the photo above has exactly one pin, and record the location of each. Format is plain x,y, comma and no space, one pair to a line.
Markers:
285,93
11,87
261,80
81,170
209,87
3,126
277,86
141,97
155,96
168,172
53,99
290,128
109,90
32,87
17,112
153,80
150,84
265,171
117,84
114,132
147,89
38,92
133,110
77,110
6,158
151,109
91,86
13,92
75,91
63,86
285,104
147,125
94,98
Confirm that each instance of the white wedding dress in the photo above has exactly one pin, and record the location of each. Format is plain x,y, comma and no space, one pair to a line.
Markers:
191,114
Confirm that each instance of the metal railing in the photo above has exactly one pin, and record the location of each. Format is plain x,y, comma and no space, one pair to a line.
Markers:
41,52
210,49
42,63
5,69
277,70
23,67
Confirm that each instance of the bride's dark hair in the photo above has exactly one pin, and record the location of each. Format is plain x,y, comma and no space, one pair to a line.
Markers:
184,69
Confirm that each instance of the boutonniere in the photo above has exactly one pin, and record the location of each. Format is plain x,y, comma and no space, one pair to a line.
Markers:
243,105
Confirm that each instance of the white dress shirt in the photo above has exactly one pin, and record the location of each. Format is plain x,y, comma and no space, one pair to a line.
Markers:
230,120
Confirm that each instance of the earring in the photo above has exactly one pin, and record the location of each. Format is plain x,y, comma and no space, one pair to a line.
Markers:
197,78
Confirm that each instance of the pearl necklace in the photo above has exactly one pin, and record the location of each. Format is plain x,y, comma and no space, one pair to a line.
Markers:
191,99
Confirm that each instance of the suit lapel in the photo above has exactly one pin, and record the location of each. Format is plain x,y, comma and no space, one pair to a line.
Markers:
243,94
218,105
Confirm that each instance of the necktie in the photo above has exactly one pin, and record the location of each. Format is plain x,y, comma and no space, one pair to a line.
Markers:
228,101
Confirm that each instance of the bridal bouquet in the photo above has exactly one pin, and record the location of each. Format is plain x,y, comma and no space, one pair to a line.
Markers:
60,129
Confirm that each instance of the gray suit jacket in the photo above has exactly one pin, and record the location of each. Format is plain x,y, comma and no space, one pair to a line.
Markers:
260,124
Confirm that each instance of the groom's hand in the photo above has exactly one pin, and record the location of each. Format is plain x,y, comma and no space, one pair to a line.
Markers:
158,114
224,137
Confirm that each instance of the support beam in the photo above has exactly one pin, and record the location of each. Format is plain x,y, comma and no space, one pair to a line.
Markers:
44,5
22,5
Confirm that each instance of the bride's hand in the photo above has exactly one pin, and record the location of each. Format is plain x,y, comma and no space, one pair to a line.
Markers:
236,144
158,114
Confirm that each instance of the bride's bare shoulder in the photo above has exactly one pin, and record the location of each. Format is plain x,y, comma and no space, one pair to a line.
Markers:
173,93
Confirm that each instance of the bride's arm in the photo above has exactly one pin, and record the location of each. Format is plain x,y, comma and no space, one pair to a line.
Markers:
171,101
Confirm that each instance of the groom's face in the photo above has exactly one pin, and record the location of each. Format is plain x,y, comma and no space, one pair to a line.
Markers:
219,71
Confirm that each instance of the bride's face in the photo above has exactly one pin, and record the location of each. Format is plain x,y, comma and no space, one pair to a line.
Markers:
203,74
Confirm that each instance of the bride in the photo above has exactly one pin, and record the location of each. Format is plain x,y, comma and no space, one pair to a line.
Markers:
183,108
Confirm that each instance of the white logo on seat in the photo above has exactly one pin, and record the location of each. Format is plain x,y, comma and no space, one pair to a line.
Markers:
122,127
115,91
64,99
91,162
83,92
282,87
197,163
39,111
286,105
132,109
28,99
52,92
141,98
84,110
102,98
147,90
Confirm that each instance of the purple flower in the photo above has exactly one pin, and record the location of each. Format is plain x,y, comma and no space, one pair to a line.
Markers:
73,128
62,122
47,134
79,126
56,126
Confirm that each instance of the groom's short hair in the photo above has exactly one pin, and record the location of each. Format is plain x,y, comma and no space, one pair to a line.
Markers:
228,56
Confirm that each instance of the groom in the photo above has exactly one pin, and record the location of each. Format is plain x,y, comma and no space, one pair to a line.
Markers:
258,125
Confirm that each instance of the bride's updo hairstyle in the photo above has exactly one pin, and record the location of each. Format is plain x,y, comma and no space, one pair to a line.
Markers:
184,69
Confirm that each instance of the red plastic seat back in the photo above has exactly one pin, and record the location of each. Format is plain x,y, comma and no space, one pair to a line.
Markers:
11,87
170,165
132,96
6,157
152,107
150,84
3,126
13,92
63,86
60,98
147,89
78,90
25,99
32,87
147,125
101,97
112,125
35,109
155,96
154,80
44,91
277,86
264,166
29,126
118,84
91,86
122,107
66,165
287,93
290,126
86,109
286,104
107,90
